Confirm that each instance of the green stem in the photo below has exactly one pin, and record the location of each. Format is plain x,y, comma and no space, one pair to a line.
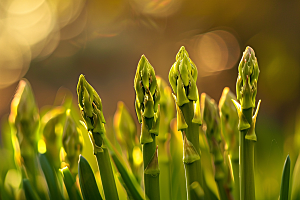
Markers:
105,169
151,182
235,169
165,180
192,170
178,183
246,170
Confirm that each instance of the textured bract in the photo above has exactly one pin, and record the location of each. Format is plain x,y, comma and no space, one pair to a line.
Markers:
24,117
147,99
147,92
72,141
183,77
246,85
90,106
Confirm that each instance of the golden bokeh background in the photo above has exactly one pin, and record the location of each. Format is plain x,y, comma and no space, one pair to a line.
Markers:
51,42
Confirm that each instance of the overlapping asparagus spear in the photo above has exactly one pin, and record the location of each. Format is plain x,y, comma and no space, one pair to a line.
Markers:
229,127
72,142
217,146
246,90
91,110
167,111
183,77
24,120
148,113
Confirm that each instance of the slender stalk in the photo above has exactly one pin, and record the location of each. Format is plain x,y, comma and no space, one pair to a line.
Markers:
24,120
72,142
177,168
183,77
151,182
91,111
193,169
167,111
105,168
246,90
246,169
216,143
148,113
229,128
210,186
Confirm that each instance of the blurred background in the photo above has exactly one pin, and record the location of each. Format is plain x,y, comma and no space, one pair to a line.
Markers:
51,43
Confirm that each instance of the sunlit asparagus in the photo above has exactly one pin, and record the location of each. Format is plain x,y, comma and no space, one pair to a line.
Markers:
216,142
91,110
148,113
183,77
24,120
246,90
52,125
229,123
72,142
167,111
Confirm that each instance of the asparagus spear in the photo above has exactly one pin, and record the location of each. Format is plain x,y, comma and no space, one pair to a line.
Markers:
246,90
217,144
24,120
167,110
229,123
52,128
72,142
183,77
91,111
148,113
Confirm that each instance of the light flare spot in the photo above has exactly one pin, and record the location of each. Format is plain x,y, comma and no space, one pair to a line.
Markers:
137,156
42,146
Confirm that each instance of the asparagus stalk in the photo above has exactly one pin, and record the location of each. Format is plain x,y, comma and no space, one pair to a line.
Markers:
229,123
72,142
24,120
183,77
91,110
52,128
167,110
246,90
216,142
177,167
148,113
